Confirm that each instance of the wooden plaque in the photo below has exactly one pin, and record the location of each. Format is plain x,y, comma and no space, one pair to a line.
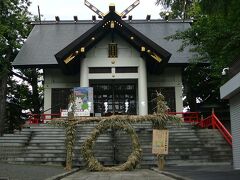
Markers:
160,141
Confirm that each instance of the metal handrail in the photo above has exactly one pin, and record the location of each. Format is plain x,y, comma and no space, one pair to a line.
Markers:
213,121
205,123
188,117
41,118
217,124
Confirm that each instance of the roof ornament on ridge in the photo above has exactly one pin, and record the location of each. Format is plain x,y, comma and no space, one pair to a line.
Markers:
94,9
130,8
101,14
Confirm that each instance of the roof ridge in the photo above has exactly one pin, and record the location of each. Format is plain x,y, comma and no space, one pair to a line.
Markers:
136,21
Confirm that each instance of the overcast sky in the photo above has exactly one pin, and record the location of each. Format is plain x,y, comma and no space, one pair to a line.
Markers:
66,9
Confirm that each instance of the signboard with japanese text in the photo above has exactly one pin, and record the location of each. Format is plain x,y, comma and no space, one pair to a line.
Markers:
160,141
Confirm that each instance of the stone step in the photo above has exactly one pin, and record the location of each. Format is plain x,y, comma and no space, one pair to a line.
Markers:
53,147
3,142
49,135
180,129
15,135
180,132
47,141
48,144
196,162
49,132
175,132
186,144
37,130
46,151
38,160
11,138
193,149
45,155
46,138
11,153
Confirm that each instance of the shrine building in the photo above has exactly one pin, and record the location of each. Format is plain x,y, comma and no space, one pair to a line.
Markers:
124,60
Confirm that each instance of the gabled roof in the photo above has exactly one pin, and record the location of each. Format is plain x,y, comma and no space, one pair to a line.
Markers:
71,55
48,38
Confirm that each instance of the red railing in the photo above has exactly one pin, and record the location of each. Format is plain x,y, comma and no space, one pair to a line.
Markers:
188,117
210,121
205,123
213,121
41,118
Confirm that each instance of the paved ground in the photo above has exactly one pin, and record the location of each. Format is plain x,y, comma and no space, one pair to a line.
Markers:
139,174
28,172
34,172
213,172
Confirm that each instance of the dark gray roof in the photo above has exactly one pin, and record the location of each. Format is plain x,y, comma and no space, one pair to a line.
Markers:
48,39
158,31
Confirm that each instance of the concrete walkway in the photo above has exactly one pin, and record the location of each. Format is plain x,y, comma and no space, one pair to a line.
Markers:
28,172
205,172
200,172
138,174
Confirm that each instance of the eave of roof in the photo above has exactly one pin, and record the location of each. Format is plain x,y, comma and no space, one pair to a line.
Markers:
231,87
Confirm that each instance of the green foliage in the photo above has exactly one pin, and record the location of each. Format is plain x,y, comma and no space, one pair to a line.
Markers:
16,105
214,37
215,7
14,29
179,9
31,77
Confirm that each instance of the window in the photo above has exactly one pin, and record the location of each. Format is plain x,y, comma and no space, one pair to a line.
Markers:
167,92
112,50
126,69
93,70
60,99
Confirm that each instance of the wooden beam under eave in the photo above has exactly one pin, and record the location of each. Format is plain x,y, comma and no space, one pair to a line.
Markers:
69,58
143,49
155,56
82,49
74,54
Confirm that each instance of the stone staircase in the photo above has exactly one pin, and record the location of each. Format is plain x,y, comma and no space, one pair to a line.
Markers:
46,144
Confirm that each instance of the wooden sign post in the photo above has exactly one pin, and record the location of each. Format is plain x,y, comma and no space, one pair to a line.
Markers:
160,145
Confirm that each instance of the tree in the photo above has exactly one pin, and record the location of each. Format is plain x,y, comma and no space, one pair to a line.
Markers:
214,36
179,9
35,98
13,31
23,97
